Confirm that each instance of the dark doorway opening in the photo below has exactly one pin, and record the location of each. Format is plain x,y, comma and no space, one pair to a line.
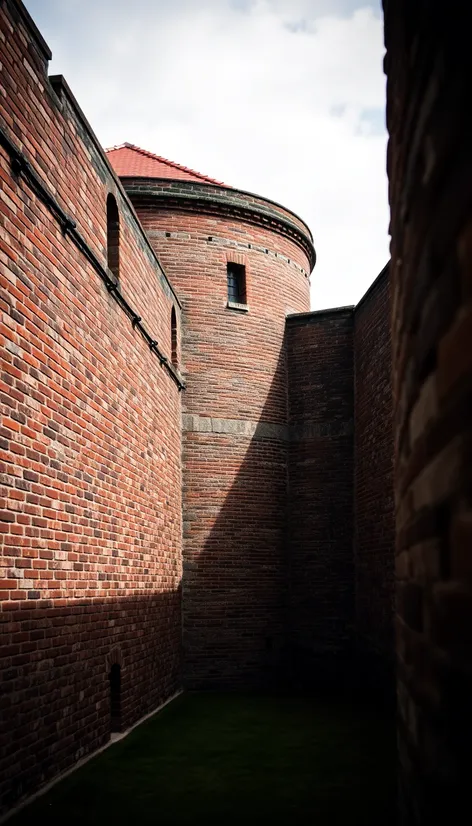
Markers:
115,697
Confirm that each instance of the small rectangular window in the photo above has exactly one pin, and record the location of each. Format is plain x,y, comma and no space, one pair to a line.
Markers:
236,283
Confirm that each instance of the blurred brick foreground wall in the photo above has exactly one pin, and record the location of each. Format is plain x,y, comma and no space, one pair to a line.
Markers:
429,77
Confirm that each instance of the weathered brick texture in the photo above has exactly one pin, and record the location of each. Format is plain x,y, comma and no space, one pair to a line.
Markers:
374,532
90,479
93,429
429,74
340,513
320,505
235,427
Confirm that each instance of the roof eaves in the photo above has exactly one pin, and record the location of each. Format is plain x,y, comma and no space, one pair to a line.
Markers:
160,159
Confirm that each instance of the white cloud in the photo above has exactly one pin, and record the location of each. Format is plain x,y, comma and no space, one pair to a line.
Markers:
280,97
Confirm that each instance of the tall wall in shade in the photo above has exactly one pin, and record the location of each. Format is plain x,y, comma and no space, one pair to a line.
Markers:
429,74
320,493
90,476
235,417
340,518
374,532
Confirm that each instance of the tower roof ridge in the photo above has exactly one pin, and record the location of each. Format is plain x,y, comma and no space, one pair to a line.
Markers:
130,161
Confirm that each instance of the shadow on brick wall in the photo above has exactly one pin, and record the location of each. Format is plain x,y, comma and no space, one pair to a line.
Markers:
321,407
268,567
57,701
235,555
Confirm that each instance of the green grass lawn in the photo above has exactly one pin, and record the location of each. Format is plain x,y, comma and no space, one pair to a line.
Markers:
225,759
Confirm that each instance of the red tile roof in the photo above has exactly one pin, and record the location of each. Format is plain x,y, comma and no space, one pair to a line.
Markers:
130,161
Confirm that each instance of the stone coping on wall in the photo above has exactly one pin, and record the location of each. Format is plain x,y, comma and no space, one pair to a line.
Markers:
62,95
382,274
295,319
18,10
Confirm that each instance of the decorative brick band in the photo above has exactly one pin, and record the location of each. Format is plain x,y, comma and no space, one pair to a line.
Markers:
265,430
226,242
179,195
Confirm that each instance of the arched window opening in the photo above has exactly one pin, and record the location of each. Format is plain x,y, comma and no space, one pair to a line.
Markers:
115,697
113,236
173,328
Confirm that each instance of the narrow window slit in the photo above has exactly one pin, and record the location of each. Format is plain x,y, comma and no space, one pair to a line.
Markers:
115,697
174,339
113,236
236,274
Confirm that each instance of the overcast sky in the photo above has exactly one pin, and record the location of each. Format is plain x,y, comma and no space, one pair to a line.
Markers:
284,98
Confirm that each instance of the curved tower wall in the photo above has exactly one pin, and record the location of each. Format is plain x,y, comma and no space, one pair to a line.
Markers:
235,416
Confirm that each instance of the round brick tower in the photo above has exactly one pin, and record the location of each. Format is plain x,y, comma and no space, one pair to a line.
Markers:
240,264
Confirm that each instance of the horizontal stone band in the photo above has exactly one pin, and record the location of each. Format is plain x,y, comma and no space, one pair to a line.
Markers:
235,427
264,430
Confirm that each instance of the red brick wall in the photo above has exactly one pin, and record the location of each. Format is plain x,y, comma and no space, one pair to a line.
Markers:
374,535
429,74
89,444
320,523
340,514
235,436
